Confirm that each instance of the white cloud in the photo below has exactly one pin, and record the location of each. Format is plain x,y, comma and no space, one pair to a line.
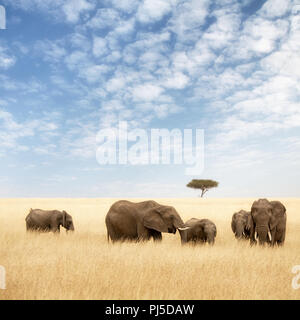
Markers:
45,150
176,81
146,92
128,6
75,59
73,9
79,40
224,31
151,60
12,131
51,51
104,18
188,17
113,105
113,57
94,72
153,10
64,10
151,40
164,110
200,57
124,27
258,37
115,84
99,47
7,60
275,8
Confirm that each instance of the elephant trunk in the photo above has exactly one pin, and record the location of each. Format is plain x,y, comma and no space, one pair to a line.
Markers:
183,235
182,228
70,228
211,240
179,224
239,231
211,237
263,234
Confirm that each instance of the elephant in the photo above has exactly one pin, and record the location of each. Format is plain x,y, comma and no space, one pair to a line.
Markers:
48,220
141,221
267,222
240,224
200,231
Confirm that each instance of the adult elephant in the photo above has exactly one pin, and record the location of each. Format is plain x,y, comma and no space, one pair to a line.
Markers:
127,220
240,224
268,222
200,231
48,220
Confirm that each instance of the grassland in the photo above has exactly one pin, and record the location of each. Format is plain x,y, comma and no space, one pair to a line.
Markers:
85,266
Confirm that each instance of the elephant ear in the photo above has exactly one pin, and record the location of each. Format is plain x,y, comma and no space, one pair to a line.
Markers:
249,223
153,220
273,220
273,223
64,217
233,222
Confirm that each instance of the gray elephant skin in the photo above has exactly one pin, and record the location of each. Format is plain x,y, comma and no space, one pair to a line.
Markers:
268,222
240,224
141,221
200,231
48,220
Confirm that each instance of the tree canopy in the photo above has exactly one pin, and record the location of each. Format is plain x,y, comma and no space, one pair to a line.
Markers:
203,185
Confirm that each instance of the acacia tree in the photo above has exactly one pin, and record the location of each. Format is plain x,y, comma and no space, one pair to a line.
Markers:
203,185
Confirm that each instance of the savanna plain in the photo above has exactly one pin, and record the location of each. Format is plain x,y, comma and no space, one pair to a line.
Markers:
83,265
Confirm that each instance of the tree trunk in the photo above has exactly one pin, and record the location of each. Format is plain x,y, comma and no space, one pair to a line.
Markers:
203,192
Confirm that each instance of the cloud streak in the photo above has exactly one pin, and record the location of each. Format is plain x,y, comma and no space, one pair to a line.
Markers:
217,65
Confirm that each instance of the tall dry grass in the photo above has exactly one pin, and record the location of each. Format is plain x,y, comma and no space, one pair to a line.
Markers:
85,266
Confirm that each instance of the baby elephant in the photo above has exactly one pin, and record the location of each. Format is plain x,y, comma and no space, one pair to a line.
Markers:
240,224
46,221
200,231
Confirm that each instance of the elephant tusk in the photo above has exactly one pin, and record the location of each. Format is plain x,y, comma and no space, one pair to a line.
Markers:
182,229
255,235
269,235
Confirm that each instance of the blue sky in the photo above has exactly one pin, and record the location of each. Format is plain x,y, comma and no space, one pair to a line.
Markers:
69,68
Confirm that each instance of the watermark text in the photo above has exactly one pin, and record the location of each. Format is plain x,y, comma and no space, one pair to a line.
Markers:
2,278
2,17
296,279
121,146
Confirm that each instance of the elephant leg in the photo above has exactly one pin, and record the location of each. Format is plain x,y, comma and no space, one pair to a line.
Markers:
143,233
280,238
114,236
252,237
156,235
28,227
273,235
247,234
55,228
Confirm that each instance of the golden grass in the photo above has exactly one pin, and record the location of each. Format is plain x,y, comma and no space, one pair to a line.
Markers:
85,266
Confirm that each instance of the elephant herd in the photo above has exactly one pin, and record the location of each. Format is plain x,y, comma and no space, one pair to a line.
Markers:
125,220
266,222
